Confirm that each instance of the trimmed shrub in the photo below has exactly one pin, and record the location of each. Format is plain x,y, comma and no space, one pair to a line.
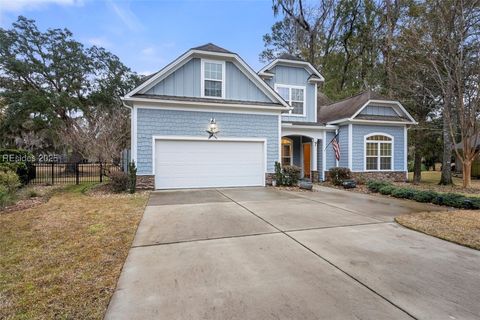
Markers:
338,175
119,181
376,185
9,180
403,193
291,174
424,196
278,173
387,190
132,177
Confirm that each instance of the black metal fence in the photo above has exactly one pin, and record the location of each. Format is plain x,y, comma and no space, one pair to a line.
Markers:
70,172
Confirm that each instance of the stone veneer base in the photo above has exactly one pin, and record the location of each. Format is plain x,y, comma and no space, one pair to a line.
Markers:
146,182
396,176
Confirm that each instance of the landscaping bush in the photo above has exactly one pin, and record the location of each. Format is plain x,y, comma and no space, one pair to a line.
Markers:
387,190
338,175
19,161
376,185
403,193
291,174
424,196
9,180
278,173
132,177
119,181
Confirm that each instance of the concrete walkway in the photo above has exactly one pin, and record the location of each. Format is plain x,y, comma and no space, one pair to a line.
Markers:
260,253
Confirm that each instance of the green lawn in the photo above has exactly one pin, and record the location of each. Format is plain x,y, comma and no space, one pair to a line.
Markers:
430,181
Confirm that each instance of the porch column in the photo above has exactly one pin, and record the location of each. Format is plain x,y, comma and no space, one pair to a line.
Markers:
314,154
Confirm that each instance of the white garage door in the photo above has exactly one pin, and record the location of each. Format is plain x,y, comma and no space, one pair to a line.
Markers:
208,163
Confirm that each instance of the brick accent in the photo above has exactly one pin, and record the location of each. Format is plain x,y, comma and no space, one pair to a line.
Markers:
268,178
146,182
315,176
397,176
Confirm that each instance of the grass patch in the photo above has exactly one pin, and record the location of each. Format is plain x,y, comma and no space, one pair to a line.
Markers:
430,181
61,259
461,226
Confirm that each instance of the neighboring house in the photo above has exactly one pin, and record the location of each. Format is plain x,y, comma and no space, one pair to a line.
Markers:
261,118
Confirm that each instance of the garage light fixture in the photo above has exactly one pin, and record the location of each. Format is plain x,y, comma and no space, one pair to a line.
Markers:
212,129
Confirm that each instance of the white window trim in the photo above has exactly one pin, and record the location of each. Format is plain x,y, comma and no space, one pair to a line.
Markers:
392,168
290,145
202,76
290,87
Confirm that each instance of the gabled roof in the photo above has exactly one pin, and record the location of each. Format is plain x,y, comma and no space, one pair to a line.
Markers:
289,59
349,108
288,56
210,47
209,50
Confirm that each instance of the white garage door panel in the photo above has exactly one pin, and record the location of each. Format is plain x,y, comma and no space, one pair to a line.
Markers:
201,164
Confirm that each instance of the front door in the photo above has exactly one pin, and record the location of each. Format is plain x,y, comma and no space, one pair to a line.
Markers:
306,159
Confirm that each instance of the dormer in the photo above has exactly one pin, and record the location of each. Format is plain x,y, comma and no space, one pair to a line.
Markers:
296,81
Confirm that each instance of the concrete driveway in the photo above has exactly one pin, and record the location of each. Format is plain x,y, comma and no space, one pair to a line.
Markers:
260,253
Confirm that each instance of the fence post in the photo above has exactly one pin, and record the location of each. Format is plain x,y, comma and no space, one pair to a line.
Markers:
77,174
101,172
53,173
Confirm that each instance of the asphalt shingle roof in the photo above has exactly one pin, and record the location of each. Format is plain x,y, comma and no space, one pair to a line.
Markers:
345,108
212,48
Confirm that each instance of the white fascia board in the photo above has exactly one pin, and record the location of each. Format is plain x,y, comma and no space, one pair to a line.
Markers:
293,126
309,66
394,102
204,106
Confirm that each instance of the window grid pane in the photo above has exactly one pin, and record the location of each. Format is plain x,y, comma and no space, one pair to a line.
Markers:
385,163
385,149
213,71
213,88
372,163
379,138
297,107
372,149
297,95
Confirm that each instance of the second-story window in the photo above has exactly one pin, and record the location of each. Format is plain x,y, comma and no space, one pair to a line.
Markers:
295,96
213,79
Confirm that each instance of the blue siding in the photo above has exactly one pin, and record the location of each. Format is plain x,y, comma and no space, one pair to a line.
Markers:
297,76
359,133
239,87
378,111
186,82
193,123
343,142
330,155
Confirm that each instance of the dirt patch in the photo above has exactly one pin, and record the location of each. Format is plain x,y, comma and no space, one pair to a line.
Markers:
461,226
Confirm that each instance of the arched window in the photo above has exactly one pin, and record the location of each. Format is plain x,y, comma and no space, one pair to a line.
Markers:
287,151
378,152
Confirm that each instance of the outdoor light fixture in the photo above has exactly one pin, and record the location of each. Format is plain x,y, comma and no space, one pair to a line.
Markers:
212,129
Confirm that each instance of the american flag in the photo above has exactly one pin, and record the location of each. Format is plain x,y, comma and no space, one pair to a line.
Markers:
336,148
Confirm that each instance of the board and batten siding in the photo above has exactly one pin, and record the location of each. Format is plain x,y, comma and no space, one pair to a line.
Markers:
330,160
186,82
159,122
358,145
296,76
343,142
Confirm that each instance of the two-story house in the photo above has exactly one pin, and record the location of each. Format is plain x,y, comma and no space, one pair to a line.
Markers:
208,120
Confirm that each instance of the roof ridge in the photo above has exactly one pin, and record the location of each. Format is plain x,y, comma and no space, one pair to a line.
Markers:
347,98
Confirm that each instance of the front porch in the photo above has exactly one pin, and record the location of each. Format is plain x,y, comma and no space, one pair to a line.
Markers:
304,152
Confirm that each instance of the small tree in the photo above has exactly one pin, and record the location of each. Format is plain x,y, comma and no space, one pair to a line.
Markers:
132,176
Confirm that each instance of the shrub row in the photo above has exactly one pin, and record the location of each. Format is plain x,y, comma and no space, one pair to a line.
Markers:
9,183
286,175
339,174
445,199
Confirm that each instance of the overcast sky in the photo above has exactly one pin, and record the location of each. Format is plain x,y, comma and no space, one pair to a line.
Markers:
148,34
